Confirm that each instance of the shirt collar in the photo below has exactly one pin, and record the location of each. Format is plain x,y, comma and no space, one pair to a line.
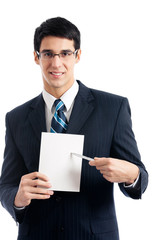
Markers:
67,98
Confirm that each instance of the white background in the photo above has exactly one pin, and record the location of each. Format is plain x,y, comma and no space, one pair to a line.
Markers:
124,51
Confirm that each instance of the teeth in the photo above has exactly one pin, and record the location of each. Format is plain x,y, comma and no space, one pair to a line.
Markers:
57,74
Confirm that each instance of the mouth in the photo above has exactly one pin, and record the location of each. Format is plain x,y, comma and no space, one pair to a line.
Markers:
57,74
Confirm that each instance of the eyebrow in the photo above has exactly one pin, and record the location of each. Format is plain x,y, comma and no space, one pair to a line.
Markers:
49,50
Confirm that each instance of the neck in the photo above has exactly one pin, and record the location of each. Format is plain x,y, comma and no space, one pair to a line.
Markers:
57,92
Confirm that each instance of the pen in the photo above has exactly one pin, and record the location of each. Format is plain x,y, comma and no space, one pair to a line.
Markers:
82,156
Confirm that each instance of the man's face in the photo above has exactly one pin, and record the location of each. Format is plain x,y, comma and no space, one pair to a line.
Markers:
57,73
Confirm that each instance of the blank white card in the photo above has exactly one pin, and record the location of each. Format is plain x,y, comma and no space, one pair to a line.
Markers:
56,161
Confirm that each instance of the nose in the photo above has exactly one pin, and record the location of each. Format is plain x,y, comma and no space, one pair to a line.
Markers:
56,62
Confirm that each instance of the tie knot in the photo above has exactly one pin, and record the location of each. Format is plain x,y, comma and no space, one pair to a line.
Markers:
59,105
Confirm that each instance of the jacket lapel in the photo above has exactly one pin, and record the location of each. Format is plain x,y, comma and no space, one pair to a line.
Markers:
83,107
37,116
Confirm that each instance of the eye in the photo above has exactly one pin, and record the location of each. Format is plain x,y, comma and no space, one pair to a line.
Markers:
47,55
65,54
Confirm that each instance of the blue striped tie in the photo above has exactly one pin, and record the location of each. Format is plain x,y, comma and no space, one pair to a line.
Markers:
59,121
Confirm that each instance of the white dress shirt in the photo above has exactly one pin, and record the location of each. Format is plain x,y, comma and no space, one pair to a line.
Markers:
68,99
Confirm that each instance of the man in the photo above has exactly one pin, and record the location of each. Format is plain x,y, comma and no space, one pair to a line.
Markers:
104,120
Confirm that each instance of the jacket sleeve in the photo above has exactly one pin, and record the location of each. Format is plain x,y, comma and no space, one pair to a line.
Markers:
13,169
125,147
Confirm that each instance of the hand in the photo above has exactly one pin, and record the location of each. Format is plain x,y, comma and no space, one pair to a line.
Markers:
115,170
28,189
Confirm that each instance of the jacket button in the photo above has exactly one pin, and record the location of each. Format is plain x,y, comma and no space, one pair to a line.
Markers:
62,229
58,198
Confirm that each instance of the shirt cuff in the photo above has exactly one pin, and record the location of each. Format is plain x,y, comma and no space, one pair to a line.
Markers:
133,184
19,208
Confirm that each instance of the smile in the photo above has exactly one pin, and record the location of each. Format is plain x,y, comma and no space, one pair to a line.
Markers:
57,73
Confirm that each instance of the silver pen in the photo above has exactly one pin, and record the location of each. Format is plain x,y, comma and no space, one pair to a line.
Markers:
82,156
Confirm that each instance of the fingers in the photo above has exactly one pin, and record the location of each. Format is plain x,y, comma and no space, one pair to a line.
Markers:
32,186
35,175
35,183
116,170
39,196
101,163
39,193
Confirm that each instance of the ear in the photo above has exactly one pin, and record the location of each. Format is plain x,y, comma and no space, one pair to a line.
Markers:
78,57
36,59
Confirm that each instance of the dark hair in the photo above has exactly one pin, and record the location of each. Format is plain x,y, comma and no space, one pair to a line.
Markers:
58,27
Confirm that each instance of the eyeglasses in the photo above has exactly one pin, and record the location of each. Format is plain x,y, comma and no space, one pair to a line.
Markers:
48,55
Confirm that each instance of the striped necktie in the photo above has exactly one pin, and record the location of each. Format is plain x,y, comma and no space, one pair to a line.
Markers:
59,121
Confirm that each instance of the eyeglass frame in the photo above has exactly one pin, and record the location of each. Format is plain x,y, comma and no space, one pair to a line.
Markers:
56,54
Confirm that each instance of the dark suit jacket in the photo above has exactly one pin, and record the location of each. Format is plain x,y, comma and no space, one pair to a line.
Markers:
105,121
